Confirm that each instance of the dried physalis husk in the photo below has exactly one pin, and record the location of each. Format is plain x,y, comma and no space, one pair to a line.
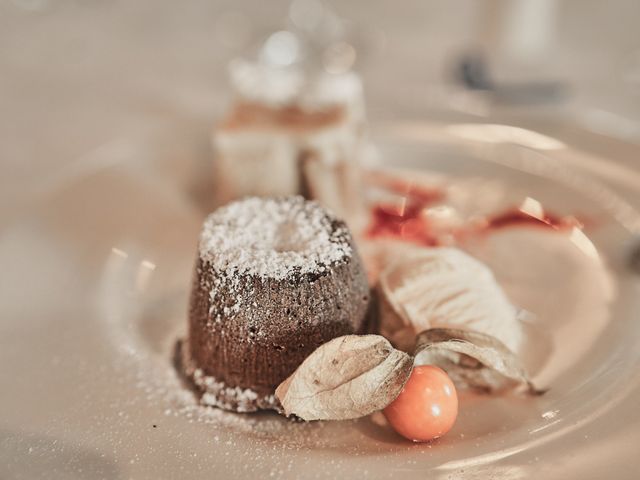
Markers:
444,288
347,377
473,359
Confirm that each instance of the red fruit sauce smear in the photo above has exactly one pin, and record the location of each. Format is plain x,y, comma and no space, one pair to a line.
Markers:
402,222
405,220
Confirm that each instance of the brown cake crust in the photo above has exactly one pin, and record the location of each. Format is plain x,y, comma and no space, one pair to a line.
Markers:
248,332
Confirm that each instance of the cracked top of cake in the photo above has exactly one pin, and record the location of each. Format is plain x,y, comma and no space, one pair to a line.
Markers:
274,238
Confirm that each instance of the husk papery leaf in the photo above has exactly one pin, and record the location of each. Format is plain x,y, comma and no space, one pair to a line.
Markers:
444,288
347,377
473,359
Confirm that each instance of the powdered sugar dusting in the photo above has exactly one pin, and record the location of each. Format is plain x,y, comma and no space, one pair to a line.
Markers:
280,86
216,393
273,238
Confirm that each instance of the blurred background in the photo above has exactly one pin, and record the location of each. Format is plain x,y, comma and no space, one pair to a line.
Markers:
76,76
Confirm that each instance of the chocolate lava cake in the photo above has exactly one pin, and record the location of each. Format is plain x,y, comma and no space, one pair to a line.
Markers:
274,279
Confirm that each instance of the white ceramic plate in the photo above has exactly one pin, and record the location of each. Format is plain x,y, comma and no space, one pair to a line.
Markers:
94,283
